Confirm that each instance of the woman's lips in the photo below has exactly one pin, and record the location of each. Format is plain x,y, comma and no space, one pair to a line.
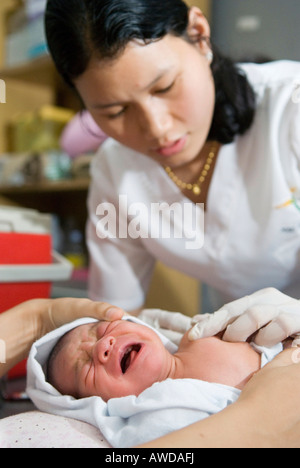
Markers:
174,148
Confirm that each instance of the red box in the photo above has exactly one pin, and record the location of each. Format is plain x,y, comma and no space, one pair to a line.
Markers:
23,249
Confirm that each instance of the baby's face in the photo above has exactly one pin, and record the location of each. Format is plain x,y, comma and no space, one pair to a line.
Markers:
110,360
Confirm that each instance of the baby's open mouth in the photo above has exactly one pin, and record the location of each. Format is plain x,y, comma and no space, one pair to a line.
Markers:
129,356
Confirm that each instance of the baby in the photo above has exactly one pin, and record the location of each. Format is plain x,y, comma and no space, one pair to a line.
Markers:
117,359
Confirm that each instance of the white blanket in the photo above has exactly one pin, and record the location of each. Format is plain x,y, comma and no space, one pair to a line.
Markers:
130,421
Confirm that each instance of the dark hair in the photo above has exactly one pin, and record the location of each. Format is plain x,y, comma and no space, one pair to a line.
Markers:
51,364
77,30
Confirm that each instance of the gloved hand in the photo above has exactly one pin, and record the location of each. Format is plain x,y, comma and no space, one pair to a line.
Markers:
173,325
275,314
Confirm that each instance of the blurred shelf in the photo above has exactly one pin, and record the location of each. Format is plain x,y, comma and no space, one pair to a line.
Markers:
77,286
69,185
38,71
69,289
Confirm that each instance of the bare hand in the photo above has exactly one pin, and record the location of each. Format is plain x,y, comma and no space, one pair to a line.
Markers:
274,393
61,311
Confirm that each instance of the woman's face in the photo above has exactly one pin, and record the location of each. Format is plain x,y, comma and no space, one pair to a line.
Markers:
157,99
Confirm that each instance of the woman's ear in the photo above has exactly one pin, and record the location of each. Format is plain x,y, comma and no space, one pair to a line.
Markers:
199,28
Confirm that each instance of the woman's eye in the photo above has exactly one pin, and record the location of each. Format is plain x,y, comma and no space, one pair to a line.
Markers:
118,114
165,90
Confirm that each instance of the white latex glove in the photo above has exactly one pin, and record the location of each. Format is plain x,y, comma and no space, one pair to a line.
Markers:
173,325
275,314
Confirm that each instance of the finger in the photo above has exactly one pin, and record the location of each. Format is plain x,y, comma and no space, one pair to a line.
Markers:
148,316
239,306
173,336
176,321
220,320
211,325
264,296
114,313
267,296
168,320
62,311
252,320
270,296
199,318
102,311
296,341
284,326
153,317
99,310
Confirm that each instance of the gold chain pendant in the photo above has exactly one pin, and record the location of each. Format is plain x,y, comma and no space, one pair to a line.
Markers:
197,187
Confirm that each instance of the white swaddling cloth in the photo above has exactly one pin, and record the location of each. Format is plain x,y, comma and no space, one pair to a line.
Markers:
126,422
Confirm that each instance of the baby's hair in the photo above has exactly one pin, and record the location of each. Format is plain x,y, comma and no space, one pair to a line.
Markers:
51,363
51,360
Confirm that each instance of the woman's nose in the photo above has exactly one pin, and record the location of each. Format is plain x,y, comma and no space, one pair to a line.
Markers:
103,348
155,121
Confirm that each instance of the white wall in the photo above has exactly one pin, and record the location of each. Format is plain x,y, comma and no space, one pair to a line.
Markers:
244,28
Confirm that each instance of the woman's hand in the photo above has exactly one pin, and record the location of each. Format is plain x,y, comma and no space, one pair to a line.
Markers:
269,312
57,312
272,398
27,322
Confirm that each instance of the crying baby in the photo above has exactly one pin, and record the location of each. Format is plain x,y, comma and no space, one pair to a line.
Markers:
117,359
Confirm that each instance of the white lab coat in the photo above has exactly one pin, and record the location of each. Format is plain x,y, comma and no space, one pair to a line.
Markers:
252,223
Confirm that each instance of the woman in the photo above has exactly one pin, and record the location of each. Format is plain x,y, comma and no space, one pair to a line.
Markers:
188,128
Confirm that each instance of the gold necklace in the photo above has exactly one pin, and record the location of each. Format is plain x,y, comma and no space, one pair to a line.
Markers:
196,187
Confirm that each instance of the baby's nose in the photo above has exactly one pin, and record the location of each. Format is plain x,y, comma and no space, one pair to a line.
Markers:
104,347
